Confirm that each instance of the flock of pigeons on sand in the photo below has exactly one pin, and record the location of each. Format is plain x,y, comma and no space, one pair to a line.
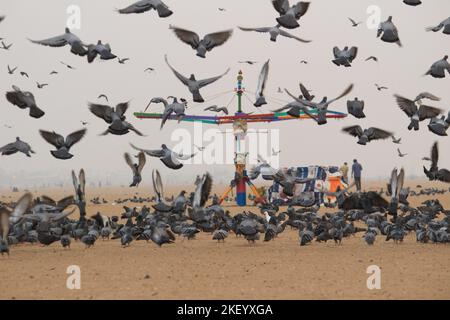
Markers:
45,220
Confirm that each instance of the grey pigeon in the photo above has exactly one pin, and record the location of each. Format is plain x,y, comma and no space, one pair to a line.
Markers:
63,145
400,154
389,32
24,74
77,47
12,216
354,23
6,46
380,88
209,42
289,15
264,74
167,156
24,100
288,181
274,32
16,146
122,61
115,117
444,26
220,235
437,69
65,241
41,85
136,168
178,108
193,84
322,107
396,141
416,114
366,135
104,50
439,126
79,185
434,173
395,186
11,71
412,2
345,56
356,108
217,109
372,58
146,5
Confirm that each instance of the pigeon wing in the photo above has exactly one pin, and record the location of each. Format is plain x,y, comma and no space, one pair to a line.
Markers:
187,36
216,39
378,134
406,105
75,137
53,138
102,111
180,77
355,131
282,6
205,82
427,112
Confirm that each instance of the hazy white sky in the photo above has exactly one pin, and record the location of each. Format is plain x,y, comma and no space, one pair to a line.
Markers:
145,39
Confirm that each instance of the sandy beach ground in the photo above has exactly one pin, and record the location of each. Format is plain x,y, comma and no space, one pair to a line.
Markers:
203,269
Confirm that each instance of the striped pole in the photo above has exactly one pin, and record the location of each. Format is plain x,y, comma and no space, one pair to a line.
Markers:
241,174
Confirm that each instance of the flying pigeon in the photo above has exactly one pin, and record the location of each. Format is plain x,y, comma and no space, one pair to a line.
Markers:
217,109
104,50
396,141
412,2
372,58
434,173
146,5
209,42
248,62
103,96
13,216
416,114
344,57
274,32
17,146
354,23
366,135
79,185
400,154
67,65
290,15
24,74
439,126
41,85
388,32
167,156
322,107
356,108
136,168
11,71
193,84
122,61
260,99
444,26
24,100
63,145
77,47
380,88
175,107
6,46
115,117
437,69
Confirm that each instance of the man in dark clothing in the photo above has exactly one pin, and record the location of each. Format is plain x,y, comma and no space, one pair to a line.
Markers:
356,174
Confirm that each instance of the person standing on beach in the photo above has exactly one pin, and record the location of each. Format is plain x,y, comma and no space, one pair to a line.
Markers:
356,174
344,172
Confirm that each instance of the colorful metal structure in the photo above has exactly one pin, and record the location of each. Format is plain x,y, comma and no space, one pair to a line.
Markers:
240,122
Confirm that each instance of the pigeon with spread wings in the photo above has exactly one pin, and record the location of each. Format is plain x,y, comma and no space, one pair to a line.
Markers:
77,47
147,5
264,74
178,108
167,156
193,84
274,32
416,114
209,42
115,117
24,100
63,145
289,15
16,146
79,185
434,173
366,135
388,32
136,168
